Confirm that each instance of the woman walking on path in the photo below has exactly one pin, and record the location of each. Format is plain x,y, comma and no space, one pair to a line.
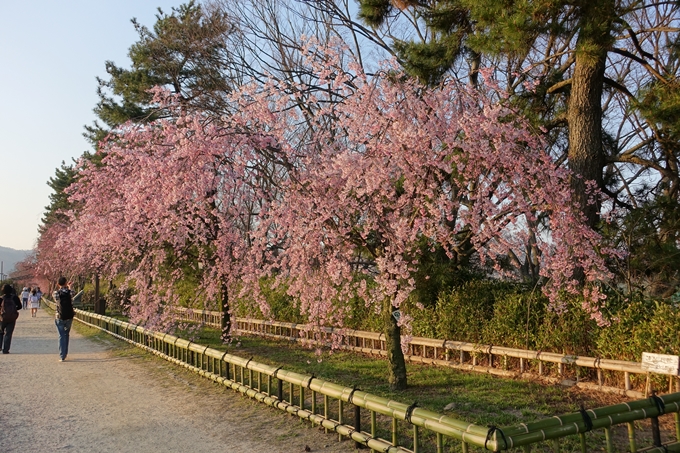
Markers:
64,315
24,297
34,301
9,312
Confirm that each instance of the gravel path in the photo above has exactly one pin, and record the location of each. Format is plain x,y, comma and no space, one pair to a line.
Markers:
101,401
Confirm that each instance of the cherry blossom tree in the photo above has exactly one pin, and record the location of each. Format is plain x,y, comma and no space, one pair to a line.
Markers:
168,195
395,164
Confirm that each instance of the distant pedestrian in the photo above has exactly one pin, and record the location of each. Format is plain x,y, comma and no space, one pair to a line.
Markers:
64,316
24,297
34,301
9,312
38,292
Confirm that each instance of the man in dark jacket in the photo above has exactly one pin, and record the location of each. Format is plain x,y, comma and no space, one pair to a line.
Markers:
10,304
64,315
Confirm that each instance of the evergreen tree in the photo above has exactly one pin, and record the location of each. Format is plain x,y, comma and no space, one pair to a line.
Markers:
59,203
583,57
185,52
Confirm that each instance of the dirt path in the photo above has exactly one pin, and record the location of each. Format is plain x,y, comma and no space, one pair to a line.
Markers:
98,401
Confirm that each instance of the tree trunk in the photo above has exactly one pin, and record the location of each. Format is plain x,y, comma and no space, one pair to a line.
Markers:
395,356
226,317
586,155
99,303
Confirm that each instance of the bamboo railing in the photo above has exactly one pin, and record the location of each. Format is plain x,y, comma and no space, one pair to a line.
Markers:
491,359
342,409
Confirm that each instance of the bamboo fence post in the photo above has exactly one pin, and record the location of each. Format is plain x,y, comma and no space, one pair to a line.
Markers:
374,426
608,439
357,423
394,432
340,409
626,379
325,411
521,365
313,404
302,397
440,443
540,368
582,438
291,393
416,439
259,381
465,447
656,433
631,437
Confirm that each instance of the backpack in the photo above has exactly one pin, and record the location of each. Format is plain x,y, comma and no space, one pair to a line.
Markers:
64,304
8,309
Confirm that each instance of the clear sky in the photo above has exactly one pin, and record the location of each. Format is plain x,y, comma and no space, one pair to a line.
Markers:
50,55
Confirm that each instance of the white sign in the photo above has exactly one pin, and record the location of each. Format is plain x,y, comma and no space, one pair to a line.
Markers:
661,363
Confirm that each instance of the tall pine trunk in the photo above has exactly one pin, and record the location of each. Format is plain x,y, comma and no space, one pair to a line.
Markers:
586,155
395,356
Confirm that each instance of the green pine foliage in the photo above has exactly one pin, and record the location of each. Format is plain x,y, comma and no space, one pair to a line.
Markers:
374,12
185,52
63,177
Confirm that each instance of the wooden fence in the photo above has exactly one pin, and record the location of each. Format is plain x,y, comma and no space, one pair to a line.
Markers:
615,376
385,425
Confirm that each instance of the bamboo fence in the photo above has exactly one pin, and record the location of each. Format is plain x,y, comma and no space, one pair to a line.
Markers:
607,375
341,409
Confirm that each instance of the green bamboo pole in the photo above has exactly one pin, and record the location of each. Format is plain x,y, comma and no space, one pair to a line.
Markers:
374,427
325,410
394,432
340,418
416,440
302,397
440,443
313,404
608,438
582,438
631,437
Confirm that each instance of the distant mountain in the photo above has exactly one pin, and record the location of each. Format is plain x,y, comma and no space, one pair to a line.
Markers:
10,257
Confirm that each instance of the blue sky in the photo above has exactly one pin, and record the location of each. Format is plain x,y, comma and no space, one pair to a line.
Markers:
50,55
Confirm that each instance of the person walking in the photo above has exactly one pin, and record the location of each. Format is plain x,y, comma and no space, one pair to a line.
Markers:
34,302
9,312
64,315
24,297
